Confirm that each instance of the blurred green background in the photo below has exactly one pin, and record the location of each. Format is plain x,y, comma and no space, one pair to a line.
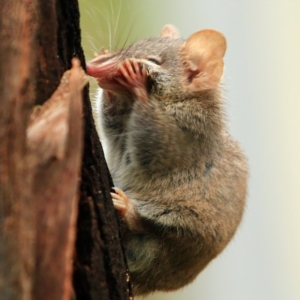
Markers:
262,90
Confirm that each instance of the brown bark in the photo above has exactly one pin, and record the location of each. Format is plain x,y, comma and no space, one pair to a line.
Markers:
40,167
16,96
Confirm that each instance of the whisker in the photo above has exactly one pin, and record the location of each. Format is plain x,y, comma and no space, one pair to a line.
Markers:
91,42
110,27
118,18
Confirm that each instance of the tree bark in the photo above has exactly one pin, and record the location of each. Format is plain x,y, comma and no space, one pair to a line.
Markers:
43,198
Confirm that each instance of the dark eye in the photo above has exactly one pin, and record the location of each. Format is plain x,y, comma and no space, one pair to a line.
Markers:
155,59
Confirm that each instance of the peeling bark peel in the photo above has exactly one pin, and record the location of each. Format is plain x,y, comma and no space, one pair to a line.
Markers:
54,138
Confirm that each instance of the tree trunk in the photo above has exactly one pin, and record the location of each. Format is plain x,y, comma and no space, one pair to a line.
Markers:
41,152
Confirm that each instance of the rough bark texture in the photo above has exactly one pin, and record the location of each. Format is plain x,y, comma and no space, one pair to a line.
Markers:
16,96
39,176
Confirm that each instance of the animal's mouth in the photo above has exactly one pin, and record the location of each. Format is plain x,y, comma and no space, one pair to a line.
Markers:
103,66
106,68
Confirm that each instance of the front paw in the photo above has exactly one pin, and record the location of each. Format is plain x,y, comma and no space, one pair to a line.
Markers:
134,78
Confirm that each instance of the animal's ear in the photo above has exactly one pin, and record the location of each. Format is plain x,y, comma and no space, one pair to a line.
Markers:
169,31
203,54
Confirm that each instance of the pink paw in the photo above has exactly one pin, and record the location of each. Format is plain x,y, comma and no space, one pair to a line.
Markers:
134,78
121,202
126,209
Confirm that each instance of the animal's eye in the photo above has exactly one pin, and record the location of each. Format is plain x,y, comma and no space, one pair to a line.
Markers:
155,59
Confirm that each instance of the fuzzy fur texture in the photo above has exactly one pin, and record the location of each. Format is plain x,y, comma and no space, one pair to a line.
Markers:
172,156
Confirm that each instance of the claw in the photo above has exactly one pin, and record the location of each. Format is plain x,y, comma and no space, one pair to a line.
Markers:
134,78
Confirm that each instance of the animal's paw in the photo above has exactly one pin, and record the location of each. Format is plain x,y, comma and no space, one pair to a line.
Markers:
121,202
134,78
126,209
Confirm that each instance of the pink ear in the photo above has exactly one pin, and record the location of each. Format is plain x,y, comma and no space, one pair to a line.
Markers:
169,31
203,53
